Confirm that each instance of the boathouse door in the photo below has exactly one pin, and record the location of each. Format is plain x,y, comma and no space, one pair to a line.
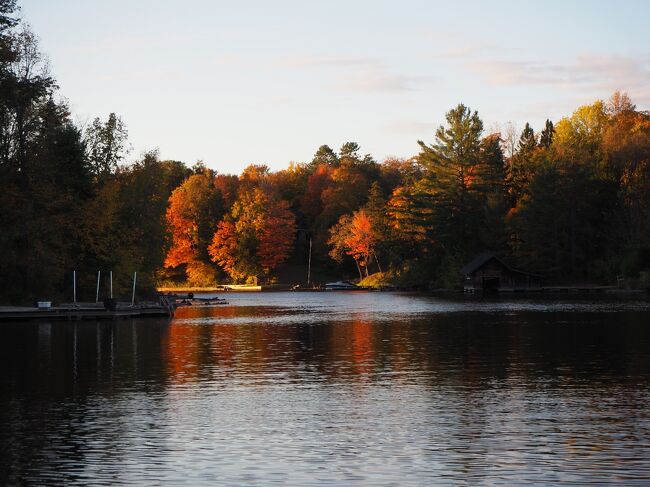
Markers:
491,284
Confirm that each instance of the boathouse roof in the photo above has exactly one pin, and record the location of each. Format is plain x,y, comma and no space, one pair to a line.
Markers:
482,259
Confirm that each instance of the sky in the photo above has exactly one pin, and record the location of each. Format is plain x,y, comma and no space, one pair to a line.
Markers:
260,82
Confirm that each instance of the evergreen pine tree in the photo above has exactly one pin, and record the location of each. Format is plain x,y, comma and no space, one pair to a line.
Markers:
546,137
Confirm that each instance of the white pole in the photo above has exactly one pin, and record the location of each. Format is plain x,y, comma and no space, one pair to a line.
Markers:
135,275
99,273
74,286
110,273
309,264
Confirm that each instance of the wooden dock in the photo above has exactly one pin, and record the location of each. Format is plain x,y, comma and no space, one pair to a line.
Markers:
548,290
82,312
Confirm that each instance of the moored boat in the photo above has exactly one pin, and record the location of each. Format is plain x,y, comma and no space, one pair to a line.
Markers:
190,300
341,286
200,302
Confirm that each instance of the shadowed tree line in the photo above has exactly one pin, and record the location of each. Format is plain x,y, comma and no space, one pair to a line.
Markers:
66,202
571,201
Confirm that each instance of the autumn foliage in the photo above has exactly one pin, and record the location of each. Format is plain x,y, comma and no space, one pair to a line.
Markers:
427,215
277,235
256,236
354,236
223,249
570,201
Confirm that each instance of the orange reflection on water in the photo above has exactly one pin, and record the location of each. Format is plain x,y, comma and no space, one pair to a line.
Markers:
188,344
182,352
224,341
256,342
351,347
362,345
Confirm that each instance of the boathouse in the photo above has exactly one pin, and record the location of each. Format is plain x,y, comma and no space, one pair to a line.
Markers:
488,273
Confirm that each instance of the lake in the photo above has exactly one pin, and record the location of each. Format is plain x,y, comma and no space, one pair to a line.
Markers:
336,388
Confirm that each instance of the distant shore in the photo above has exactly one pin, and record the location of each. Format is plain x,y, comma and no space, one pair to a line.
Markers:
209,289
547,290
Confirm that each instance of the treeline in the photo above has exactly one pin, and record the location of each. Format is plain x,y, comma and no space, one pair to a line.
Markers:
571,201
66,199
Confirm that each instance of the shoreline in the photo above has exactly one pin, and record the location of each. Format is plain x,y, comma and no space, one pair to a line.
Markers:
209,289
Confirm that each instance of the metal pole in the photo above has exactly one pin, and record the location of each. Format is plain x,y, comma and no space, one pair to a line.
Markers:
135,275
110,273
74,286
309,264
99,273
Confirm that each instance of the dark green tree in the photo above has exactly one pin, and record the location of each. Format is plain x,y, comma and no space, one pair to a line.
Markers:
349,150
106,143
450,181
521,165
491,180
325,155
546,137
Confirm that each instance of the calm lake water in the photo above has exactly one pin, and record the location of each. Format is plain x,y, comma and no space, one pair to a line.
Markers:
333,389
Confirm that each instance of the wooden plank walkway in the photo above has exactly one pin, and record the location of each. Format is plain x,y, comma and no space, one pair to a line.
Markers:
13,313
577,289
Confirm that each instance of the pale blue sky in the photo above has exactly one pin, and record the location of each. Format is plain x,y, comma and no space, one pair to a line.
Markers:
268,82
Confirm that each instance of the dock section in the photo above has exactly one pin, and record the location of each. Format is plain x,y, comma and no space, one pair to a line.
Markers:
82,312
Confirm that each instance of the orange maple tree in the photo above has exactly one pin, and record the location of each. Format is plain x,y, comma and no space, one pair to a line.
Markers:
256,237
277,236
361,239
183,249
353,235
223,249
193,207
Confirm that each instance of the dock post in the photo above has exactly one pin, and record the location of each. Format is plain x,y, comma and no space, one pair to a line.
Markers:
74,286
309,264
99,273
135,275
110,273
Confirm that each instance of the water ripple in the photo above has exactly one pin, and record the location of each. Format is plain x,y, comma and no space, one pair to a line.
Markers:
333,389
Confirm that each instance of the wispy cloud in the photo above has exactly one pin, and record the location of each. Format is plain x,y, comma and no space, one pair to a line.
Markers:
410,127
463,51
308,61
587,72
116,43
227,60
588,75
161,75
377,78
450,44
356,75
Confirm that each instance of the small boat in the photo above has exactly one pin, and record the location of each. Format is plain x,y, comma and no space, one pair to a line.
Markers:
201,302
298,287
341,286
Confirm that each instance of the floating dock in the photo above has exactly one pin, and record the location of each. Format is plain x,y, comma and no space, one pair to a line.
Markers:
82,312
546,290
